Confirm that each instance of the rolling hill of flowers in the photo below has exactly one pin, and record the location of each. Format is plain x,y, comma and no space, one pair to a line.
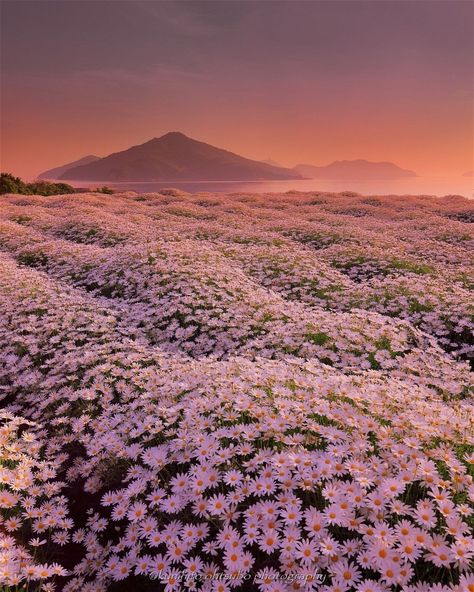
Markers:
240,392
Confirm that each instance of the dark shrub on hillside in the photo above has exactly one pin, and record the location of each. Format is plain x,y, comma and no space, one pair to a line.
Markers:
105,189
11,184
48,188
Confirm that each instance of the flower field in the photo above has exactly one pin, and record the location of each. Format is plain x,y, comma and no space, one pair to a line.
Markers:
236,392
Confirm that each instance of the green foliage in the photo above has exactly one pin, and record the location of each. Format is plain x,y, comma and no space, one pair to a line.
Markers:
21,219
373,362
317,338
418,268
48,188
416,306
32,259
11,184
105,189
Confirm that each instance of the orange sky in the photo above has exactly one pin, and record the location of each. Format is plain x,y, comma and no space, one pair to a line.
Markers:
294,81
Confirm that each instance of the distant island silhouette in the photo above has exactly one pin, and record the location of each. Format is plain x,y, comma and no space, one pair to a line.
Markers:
354,170
176,157
56,173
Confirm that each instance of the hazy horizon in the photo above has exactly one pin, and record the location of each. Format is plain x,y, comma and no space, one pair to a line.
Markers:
296,82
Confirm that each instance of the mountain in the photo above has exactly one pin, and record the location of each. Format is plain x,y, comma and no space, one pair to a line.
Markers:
272,162
55,173
353,170
175,157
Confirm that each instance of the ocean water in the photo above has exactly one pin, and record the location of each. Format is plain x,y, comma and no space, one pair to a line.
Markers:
410,186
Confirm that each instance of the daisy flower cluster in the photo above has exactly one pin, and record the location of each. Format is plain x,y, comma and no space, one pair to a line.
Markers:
33,510
236,392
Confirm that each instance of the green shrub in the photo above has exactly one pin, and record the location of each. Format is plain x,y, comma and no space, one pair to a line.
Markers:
49,188
11,184
105,189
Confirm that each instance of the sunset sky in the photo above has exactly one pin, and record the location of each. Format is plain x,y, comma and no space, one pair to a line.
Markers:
295,81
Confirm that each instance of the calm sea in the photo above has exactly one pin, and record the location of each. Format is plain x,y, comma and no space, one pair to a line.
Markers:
410,186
